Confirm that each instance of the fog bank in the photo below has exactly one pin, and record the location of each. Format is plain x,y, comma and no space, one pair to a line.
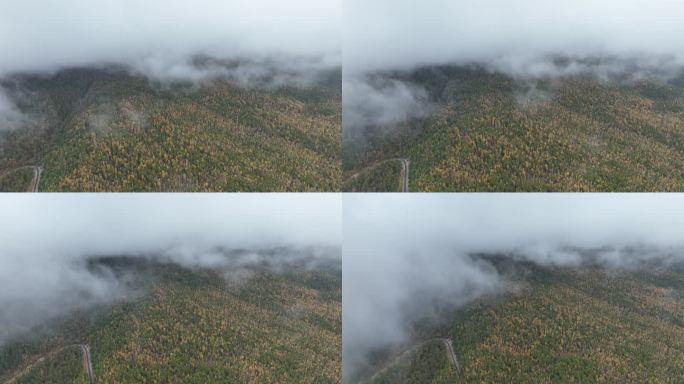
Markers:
526,39
405,255
10,115
254,43
44,36
405,34
46,240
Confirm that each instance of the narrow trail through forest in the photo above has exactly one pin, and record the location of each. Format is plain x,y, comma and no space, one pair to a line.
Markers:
37,172
447,344
403,175
87,363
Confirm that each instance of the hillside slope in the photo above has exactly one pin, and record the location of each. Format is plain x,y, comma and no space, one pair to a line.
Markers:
578,326
490,132
251,325
108,130
562,325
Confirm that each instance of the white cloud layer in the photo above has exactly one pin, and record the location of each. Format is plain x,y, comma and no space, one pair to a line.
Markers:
256,42
383,102
46,239
405,254
46,35
10,115
521,38
404,34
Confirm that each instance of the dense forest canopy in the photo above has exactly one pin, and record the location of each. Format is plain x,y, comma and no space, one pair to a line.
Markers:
467,128
251,324
110,130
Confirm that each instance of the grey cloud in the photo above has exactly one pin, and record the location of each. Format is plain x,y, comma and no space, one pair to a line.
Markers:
248,72
38,35
10,115
274,42
382,101
405,255
404,34
46,242
525,39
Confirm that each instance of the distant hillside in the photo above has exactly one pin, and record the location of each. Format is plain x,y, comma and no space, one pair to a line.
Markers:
107,130
558,325
490,132
251,325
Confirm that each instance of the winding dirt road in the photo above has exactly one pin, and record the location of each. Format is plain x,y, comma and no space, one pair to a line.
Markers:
447,344
37,172
88,363
404,173
452,355
35,182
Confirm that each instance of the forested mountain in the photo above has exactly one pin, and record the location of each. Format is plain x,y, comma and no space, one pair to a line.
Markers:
257,324
488,131
555,325
109,130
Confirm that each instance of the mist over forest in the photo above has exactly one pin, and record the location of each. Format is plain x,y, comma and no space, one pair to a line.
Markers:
53,246
526,40
262,42
407,256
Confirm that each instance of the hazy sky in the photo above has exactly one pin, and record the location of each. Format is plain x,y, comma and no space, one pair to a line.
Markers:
49,34
282,41
516,37
45,239
386,34
404,253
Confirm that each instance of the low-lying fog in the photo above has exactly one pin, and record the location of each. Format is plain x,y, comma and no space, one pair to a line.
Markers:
170,40
46,240
522,38
405,254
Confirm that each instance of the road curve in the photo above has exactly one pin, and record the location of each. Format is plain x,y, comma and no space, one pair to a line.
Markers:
447,344
88,363
403,175
35,182
37,172
452,355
